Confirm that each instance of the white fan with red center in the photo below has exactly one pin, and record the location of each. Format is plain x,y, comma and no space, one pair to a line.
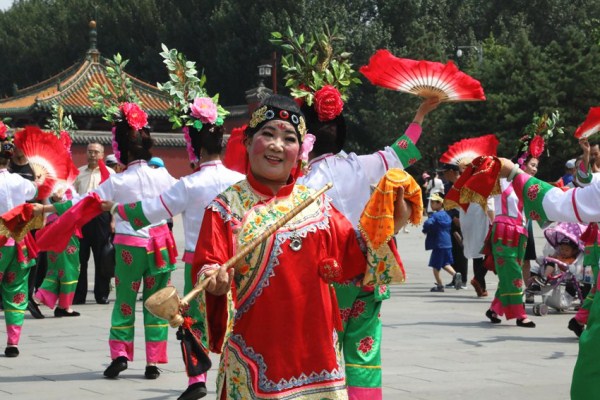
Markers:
591,124
465,150
48,157
422,78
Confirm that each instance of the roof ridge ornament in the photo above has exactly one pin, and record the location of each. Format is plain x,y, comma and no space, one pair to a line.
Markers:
93,53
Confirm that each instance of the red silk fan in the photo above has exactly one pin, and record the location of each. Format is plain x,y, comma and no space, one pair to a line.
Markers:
591,124
467,149
48,157
423,78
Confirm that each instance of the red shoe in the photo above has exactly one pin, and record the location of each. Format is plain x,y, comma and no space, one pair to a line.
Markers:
481,292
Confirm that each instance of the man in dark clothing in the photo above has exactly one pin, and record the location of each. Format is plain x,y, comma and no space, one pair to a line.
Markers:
96,234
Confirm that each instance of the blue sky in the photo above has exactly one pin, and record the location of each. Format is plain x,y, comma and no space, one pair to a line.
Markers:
4,4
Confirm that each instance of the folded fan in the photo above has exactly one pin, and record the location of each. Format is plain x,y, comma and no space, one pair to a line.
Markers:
591,124
48,157
422,78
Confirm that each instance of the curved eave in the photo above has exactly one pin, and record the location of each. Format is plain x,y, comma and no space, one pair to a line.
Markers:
160,139
72,93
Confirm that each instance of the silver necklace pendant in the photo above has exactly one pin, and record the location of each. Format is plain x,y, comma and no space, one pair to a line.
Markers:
295,242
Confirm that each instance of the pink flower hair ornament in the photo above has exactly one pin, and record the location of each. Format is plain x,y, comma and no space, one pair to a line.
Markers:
134,115
206,111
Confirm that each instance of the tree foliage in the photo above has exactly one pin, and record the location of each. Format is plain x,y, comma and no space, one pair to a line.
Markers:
538,55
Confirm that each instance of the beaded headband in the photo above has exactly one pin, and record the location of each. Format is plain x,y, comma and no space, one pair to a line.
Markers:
265,114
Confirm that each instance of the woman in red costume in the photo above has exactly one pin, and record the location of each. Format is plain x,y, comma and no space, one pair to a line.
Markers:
277,335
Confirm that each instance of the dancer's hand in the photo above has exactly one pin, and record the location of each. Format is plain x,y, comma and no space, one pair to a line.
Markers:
107,205
38,209
219,280
425,108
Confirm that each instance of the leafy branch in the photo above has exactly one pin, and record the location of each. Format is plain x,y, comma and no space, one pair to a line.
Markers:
544,126
310,63
183,87
108,98
58,122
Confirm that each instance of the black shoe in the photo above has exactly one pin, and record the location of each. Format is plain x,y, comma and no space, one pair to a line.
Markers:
437,288
152,372
522,324
457,281
33,308
194,391
11,351
103,300
493,317
575,327
117,366
61,312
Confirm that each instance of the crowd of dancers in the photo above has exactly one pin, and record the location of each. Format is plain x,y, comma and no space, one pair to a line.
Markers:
320,277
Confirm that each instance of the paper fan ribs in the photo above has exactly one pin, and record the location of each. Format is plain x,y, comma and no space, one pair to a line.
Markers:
465,150
48,157
422,78
591,124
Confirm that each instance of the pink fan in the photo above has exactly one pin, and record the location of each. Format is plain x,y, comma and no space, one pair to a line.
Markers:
423,78
48,157
466,150
591,124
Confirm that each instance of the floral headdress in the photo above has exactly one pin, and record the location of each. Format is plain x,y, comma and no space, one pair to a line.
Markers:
61,126
268,113
316,75
190,105
6,140
120,106
536,134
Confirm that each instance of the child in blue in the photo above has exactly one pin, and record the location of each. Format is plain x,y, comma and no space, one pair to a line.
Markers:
437,229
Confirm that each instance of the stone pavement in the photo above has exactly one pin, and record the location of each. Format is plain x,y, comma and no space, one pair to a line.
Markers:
435,346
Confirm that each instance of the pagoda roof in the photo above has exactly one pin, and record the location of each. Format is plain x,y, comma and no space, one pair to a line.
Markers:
70,89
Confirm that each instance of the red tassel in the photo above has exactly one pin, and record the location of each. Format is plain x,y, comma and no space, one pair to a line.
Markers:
335,310
104,173
590,236
158,257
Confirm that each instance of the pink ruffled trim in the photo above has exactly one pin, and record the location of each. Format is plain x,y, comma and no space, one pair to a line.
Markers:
196,379
359,393
65,300
119,348
510,311
14,334
188,257
46,297
156,352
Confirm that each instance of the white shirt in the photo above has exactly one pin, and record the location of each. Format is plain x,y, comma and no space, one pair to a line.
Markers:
14,190
352,177
137,182
190,196
474,224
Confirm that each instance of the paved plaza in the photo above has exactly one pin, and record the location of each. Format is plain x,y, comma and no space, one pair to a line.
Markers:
435,346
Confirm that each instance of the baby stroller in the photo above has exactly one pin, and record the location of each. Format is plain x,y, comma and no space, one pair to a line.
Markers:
562,289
